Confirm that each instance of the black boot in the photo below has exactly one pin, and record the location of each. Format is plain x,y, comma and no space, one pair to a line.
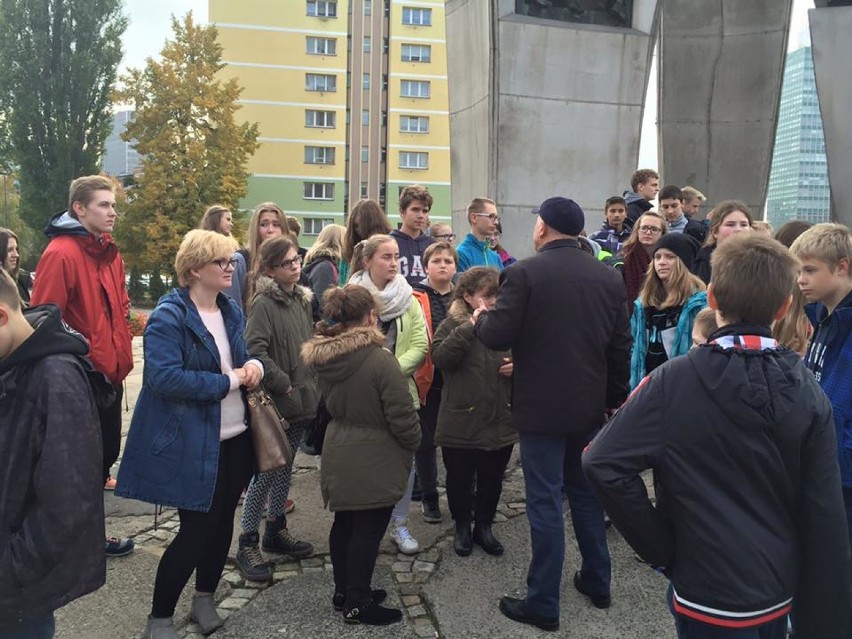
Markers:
483,537
277,539
462,543
372,614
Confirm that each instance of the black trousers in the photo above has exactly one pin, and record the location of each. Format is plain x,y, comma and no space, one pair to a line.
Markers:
354,545
204,538
110,419
425,459
488,466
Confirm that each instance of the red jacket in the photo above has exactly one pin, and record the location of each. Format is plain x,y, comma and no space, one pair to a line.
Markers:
84,276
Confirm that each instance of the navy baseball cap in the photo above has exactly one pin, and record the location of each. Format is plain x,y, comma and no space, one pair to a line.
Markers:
562,215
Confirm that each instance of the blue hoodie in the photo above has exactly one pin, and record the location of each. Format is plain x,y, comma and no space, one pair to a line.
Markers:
473,252
411,255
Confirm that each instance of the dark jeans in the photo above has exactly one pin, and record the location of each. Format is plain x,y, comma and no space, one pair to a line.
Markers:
354,545
204,539
551,462
488,466
42,628
110,419
425,459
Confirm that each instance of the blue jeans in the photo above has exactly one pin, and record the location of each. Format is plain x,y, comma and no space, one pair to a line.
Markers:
551,462
41,628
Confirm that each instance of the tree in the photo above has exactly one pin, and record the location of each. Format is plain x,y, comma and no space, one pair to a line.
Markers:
58,66
194,153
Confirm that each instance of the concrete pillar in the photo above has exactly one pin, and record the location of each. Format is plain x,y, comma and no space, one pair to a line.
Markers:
541,108
832,50
721,65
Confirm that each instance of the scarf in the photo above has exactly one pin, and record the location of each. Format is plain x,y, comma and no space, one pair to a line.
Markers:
395,299
635,268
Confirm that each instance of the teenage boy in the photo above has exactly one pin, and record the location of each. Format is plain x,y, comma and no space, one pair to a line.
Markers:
81,271
614,233
442,232
433,293
671,206
475,249
51,505
414,205
693,199
644,184
749,521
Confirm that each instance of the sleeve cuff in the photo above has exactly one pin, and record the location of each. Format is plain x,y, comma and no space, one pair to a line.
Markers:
257,363
235,381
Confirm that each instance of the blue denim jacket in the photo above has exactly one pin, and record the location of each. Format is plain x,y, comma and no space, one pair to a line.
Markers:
172,451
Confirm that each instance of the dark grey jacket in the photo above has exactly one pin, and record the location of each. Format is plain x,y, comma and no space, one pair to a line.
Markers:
564,315
51,481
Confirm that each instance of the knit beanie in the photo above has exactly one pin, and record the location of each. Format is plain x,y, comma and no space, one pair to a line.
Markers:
682,245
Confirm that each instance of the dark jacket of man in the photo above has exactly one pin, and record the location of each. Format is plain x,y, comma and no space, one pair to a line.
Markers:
749,518
51,482
564,315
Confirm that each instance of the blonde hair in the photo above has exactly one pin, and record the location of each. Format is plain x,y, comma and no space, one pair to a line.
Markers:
329,242
690,193
705,322
682,284
83,189
794,330
827,242
200,247
366,249
633,241
762,227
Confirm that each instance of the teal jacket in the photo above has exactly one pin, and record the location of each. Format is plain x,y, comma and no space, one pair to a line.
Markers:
472,253
683,334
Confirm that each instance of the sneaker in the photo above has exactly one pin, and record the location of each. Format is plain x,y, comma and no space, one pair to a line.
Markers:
289,506
402,536
278,539
339,598
250,562
431,510
372,615
110,483
118,546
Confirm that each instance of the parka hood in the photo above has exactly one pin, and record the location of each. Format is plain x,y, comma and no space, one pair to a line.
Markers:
266,286
52,336
459,311
337,358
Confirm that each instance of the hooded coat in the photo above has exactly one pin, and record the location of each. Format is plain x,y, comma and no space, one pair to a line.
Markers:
749,512
51,473
636,207
278,324
411,255
322,272
84,276
369,445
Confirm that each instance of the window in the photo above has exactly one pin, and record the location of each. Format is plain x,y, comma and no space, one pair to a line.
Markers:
321,46
365,81
415,89
416,53
413,160
417,17
366,44
365,118
322,8
320,82
319,155
414,124
363,190
313,225
368,7
365,154
320,119
319,191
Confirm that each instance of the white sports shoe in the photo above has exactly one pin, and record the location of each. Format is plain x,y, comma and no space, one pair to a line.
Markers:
402,536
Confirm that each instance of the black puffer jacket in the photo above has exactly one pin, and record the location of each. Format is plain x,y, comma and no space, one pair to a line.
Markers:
749,512
51,482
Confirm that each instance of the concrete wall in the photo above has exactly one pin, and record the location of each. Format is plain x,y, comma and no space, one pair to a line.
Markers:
832,51
555,110
721,66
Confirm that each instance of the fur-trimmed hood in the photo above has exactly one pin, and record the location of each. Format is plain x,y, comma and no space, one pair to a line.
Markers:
326,354
459,311
265,285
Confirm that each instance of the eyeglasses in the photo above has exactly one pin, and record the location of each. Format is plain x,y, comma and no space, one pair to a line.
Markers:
296,261
650,229
224,264
449,237
491,216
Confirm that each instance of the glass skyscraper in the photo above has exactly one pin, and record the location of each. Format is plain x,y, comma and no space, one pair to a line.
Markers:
798,181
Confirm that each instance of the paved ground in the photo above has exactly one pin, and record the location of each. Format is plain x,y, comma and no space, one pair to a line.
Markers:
443,595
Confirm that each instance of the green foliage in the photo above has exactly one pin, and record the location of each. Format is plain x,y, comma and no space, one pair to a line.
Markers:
58,65
194,152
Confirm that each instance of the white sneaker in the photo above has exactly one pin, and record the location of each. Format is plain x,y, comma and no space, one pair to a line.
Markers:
402,536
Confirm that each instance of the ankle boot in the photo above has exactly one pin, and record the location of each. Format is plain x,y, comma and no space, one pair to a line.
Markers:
250,561
483,537
160,628
372,614
204,613
462,543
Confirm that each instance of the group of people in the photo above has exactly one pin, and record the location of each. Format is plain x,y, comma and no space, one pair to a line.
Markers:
702,362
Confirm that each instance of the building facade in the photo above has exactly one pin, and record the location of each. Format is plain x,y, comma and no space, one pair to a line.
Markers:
798,184
120,158
350,97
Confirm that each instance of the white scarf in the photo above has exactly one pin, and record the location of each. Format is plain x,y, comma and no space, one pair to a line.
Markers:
395,298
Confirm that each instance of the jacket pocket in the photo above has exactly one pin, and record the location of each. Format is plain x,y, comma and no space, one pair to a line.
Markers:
167,435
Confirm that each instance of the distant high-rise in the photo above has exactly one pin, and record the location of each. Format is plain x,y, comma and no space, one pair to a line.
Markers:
120,158
351,100
798,182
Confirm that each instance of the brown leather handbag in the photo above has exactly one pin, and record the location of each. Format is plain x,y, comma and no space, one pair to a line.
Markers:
272,448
